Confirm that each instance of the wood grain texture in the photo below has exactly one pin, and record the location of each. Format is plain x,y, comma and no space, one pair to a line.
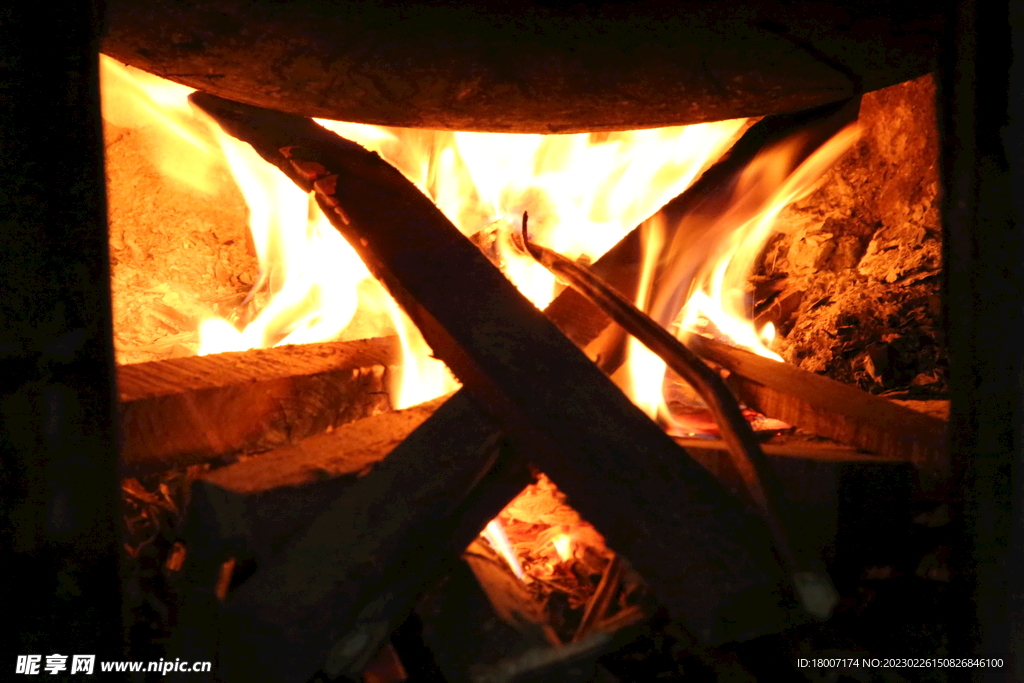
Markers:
829,408
256,504
358,570
187,410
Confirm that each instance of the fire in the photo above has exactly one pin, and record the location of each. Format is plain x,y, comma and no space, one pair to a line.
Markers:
718,287
495,534
584,193
705,265
563,546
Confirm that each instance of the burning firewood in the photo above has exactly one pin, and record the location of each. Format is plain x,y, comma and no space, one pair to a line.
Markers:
620,268
549,573
255,505
812,583
829,408
398,525
526,374
183,411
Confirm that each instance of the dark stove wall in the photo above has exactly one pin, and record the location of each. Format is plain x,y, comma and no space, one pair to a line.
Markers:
982,103
61,592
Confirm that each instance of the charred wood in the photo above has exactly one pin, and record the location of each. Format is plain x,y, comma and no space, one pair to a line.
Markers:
184,411
361,566
525,373
511,600
545,664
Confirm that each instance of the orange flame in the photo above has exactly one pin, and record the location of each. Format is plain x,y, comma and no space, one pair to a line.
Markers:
583,192
713,252
718,289
704,269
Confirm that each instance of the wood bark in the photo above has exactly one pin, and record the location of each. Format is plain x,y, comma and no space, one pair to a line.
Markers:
589,438
187,410
533,66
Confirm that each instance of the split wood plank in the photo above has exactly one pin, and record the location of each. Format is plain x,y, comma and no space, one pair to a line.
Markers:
183,411
385,539
662,510
254,506
793,446
829,408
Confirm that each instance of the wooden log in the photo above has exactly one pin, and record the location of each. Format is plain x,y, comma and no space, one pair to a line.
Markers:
793,447
401,526
812,582
187,410
509,597
829,408
531,66
589,438
252,507
576,317
553,663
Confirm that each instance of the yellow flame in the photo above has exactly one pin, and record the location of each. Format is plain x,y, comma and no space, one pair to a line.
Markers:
703,271
495,534
138,100
583,192
718,290
563,546
308,267
646,369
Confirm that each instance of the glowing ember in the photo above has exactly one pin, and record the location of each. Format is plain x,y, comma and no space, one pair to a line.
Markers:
563,546
495,535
